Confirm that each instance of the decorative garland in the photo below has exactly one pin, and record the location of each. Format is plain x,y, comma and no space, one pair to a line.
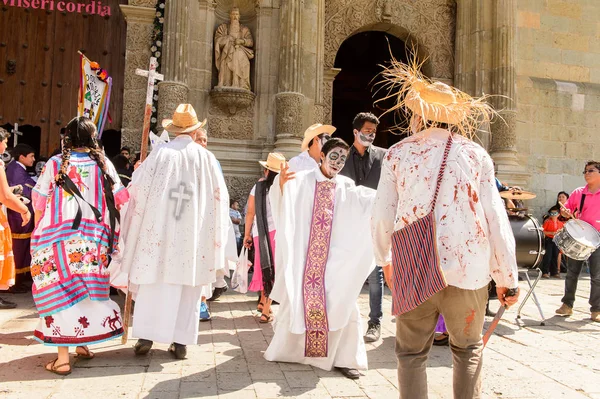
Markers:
156,49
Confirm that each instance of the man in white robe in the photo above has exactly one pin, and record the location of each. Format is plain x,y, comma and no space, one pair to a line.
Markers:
175,232
314,139
324,255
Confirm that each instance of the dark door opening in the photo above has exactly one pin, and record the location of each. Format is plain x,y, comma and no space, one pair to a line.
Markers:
354,89
111,140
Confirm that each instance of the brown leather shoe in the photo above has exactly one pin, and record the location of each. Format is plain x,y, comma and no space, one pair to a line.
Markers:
596,317
564,310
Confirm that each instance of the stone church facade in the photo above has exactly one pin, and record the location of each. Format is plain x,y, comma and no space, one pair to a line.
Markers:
539,59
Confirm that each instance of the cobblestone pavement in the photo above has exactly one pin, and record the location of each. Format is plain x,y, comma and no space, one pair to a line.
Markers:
558,360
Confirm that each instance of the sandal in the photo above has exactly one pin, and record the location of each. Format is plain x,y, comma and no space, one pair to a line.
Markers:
54,368
87,355
266,318
260,307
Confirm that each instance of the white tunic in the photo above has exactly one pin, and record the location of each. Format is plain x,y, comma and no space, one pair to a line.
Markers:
349,263
302,162
175,230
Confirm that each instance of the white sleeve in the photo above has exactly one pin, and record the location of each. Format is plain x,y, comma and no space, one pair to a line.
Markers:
384,214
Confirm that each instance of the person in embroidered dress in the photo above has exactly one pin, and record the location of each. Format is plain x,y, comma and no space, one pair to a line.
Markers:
259,223
75,200
16,173
175,233
314,139
324,255
442,252
8,199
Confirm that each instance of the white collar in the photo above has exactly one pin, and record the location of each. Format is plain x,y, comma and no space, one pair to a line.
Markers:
184,137
23,166
321,177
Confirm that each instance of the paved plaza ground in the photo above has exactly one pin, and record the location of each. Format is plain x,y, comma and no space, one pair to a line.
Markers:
558,360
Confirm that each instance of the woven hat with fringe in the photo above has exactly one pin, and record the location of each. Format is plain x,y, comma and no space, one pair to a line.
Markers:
184,120
273,162
313,131
434,102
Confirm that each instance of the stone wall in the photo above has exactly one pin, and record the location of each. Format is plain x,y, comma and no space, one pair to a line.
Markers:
558,80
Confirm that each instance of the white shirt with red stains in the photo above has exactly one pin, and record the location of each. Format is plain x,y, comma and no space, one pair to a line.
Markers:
474,237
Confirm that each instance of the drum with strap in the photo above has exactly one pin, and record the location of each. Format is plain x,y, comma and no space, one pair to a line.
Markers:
578,239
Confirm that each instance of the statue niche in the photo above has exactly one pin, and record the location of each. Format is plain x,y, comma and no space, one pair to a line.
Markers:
233,52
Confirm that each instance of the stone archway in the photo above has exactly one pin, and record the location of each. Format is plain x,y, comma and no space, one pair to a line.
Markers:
427,25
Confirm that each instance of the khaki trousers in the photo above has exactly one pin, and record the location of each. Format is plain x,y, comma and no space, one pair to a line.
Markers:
464,313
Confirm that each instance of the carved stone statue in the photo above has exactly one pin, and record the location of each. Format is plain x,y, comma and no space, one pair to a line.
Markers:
233,52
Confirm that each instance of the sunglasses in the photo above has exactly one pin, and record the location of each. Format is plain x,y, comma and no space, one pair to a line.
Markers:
585,172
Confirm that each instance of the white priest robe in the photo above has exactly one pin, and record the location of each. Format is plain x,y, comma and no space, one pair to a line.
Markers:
349,262
175,232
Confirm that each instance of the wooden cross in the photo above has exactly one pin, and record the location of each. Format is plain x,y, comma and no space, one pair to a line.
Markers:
152,75
17,133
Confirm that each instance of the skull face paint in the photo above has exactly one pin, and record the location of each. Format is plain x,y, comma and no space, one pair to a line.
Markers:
365,139
334,162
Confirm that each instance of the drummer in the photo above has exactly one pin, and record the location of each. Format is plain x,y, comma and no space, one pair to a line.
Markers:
584,204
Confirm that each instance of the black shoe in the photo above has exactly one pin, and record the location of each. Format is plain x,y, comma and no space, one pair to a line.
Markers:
373,332
142,347
18,289
489,312
7,304
217,292
353,374
443,341
178,350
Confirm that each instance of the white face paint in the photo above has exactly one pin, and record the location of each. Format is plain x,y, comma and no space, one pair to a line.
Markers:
334,162
365,139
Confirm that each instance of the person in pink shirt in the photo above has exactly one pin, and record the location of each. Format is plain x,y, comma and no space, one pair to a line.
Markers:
584,204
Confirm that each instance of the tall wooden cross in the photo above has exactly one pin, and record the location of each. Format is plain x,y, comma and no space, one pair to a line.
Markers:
152,75
15,131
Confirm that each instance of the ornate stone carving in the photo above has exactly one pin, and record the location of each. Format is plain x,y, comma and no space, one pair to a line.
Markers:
231,99
170,95
233,52
138,13
289,108
431,24
503,132
239,187
143,3
235,127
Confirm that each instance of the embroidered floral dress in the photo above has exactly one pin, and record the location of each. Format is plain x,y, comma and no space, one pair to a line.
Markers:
7,260
69,267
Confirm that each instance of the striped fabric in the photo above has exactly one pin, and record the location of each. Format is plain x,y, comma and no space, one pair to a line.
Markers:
417,274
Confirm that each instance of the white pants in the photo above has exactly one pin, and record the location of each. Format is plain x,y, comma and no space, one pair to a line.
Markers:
167,313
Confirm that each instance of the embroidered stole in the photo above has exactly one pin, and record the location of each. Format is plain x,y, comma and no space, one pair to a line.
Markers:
315,302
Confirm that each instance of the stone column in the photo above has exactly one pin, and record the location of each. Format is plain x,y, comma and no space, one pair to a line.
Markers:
290,103
139,15
504,87
174,90
329,75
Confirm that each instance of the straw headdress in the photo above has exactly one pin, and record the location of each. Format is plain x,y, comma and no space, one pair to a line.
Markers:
434,102
184,120
313,131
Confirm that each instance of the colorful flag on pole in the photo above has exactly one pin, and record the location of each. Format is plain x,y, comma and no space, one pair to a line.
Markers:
94,93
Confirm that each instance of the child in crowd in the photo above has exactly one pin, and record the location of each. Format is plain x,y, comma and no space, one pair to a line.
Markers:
551,226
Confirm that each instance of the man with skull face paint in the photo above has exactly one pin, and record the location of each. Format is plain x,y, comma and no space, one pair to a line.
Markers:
323,234
364,167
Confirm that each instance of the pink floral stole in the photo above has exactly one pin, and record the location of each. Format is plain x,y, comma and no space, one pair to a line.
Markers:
315,303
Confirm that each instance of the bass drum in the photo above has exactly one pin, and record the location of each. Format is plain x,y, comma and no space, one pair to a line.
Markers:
529,238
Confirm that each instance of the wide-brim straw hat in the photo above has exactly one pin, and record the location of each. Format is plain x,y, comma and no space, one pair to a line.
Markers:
273,162
313,131
434,102
184,120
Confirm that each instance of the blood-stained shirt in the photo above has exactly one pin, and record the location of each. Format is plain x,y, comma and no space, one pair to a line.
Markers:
474,236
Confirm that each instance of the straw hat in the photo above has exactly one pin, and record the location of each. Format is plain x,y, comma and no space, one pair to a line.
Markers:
434,102
273,162
314,131
184,120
